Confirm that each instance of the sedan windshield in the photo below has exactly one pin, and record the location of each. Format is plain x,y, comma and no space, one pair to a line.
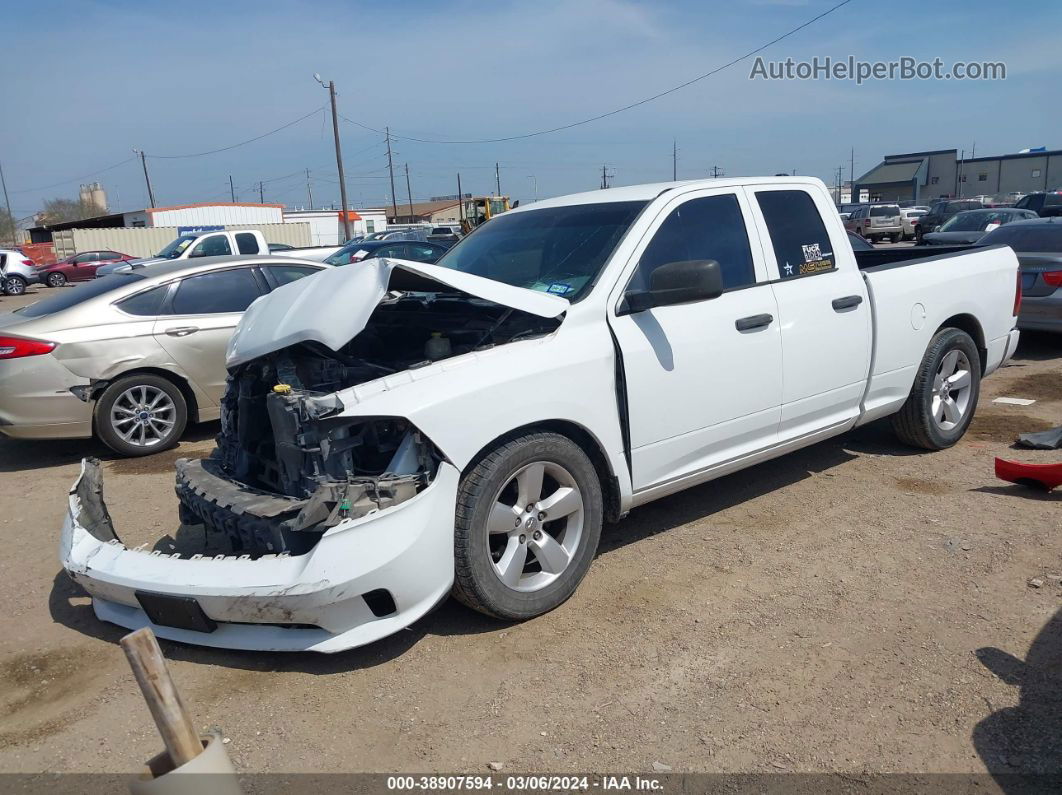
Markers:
1045,237
557,250
177,247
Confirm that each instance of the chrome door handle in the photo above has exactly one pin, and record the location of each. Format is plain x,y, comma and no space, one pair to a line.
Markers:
847,302
753,322
182,331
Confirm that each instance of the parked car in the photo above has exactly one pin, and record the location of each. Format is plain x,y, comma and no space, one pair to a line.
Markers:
1038,244
909,217
877,222
941,212
969,226
445,235
130,357
198,244
1047,204
859,243
17,272
79,267
399,430
401,249
399,233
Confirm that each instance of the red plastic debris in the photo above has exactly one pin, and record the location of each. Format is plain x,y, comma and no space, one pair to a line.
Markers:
1045,476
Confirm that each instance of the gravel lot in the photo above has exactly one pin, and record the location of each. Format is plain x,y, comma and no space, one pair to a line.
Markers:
828,611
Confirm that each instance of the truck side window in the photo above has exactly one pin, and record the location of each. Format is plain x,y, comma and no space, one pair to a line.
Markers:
213,246
801,244
709,228
246,243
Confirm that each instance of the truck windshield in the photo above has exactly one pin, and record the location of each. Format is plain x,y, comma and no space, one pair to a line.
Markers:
557,250
177,247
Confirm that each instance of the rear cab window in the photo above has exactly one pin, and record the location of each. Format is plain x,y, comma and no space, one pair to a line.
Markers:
797,234
246,243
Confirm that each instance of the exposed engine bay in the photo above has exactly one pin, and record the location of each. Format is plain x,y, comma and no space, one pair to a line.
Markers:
287,467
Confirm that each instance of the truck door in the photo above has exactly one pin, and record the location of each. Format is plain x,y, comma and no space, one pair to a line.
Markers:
823,309
703,380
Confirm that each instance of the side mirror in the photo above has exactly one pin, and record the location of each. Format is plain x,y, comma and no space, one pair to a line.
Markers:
676,283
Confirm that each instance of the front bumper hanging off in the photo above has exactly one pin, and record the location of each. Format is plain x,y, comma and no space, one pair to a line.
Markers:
334,597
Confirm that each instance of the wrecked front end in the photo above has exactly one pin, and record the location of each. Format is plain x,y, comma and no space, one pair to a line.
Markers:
323,529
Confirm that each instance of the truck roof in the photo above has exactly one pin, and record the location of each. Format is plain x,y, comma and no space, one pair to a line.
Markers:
651,190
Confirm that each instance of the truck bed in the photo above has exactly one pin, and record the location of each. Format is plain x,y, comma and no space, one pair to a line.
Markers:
896,256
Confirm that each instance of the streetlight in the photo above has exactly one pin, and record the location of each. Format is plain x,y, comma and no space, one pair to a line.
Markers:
331,86
534,183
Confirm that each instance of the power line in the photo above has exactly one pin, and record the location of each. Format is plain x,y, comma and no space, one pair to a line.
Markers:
241,143
630,106
76,179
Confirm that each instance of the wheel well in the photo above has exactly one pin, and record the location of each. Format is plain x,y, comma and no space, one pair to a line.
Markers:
969,324
176,380
610,490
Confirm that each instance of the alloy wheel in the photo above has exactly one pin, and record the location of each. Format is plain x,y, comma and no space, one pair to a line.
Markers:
535,525
143,416
951,390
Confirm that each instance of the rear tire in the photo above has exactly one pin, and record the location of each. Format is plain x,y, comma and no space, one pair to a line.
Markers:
15,285
140,414
514,563
944,395
56,279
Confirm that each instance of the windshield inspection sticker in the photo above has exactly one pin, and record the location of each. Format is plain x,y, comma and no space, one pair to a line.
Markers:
559,288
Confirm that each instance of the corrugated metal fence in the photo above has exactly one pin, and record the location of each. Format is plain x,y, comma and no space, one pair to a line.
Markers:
147,241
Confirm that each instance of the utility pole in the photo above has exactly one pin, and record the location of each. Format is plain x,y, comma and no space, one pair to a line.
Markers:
497,178
958,174
717,172
461,200
339,154
851,170
674,160
7,202
232,190
261,193
409,195
391,170
147,179
309,191
604,177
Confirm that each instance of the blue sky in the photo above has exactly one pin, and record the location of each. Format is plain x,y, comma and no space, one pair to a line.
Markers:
87,81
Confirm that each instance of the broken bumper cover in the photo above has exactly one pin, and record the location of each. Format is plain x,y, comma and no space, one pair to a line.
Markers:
310,602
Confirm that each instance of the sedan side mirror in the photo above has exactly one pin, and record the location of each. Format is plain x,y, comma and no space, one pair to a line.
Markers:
676,283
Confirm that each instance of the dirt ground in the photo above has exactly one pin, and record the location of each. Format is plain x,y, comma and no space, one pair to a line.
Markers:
855,607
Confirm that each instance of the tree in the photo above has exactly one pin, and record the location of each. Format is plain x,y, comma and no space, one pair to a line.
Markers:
57,211
7,228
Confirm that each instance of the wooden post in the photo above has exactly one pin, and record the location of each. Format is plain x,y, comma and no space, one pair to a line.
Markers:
171,717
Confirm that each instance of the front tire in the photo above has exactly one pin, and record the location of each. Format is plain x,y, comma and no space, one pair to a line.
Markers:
527,526
140,414
944,396
15,285
56,280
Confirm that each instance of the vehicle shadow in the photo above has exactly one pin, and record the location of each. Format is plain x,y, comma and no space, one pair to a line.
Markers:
1037,346
1019,743
24,455
70,606
1021,492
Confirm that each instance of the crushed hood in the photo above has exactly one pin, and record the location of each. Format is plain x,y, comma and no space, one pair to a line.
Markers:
333,306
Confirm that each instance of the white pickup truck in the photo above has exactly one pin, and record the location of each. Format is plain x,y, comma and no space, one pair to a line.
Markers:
399,431
219,243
